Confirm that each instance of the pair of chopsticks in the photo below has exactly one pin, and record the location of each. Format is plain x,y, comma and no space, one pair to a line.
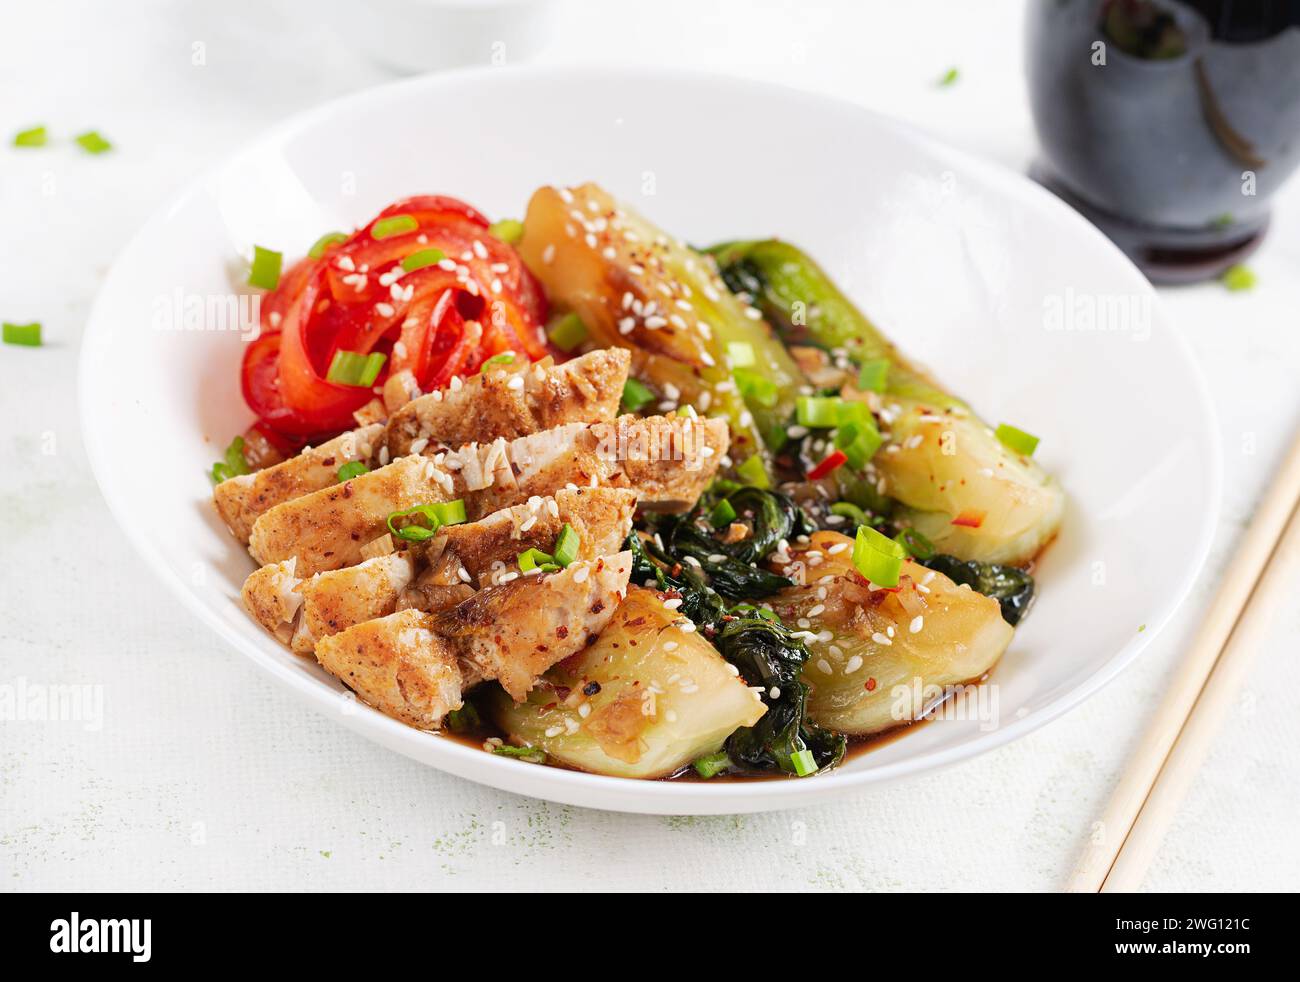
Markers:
1259,581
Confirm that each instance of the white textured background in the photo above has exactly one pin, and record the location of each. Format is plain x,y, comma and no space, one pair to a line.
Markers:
203,776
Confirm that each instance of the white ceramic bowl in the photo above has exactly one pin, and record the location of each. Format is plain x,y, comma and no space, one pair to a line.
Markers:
972,269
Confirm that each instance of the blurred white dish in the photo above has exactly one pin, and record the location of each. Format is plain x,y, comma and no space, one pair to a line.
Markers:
970,268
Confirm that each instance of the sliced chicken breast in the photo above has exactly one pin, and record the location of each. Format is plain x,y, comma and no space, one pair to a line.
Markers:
507,404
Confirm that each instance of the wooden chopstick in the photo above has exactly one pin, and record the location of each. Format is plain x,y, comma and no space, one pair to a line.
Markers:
1204,683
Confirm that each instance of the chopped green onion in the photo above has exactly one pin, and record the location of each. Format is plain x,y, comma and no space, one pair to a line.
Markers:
1016,440
568,332
92,142
873,375
437,515
26,334
1238,277
635,396
233,463
505,358
859,440
753,473
948,77
712,765
754,388
723,514
464,720
265,271
852,512
353,468
916,544
566,545
534,755
803,763
817,411
425,257
531,559
386,228
877,557
324,242
508,230
34,137
354,368
740,354
688,411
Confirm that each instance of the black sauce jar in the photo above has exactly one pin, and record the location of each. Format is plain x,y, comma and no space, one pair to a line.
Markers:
1169,123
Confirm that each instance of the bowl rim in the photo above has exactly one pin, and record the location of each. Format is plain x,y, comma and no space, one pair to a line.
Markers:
576,787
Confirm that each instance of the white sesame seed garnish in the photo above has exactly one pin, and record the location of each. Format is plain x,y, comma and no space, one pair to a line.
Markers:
853,664
673,604
581,573
918,622
881,639
814,611
528,523
670,646
548,254
823,666
517,382
836,549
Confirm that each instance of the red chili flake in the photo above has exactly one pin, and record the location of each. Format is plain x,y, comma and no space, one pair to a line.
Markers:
871,685
970,518
561,631
833,460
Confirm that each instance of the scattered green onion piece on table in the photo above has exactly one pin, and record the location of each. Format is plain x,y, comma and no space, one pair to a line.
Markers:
818,412
877,557
92,142
803,763
916,544
425,257
1238,277
508,230
353,468
386,228
949,77
568,332
265,271
723,514
636,395
753,473
24,334
846,509
34,137
1016,440
740,354
531,559
324,242
566,545
712,765
505,358
873,376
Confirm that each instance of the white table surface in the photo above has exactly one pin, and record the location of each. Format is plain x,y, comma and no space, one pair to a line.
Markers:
204,776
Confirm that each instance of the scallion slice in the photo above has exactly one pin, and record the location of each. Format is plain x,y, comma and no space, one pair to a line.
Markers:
232,464
505,358
873,375
386,228
712,765
534,755
265,271
803,763
753,473
531,559
636,395
92,142
846,509
740,354
436,515
818,412
723,514
324,242
25,334
916,544
566,545
568,332
1238,277
754,388
353,468
354,368
1016,440
877,557
34,137
449,512
425,257
508,230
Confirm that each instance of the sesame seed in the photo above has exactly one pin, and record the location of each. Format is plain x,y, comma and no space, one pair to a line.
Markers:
581,573
836,549
548,254
814,611
881,639
918,622
824,666
853,664
670,646
673,604
516,383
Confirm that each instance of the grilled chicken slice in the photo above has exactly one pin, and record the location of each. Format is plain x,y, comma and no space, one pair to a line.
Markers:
415,666
668,461
516,631
240,500
504,403
271,595
398,665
